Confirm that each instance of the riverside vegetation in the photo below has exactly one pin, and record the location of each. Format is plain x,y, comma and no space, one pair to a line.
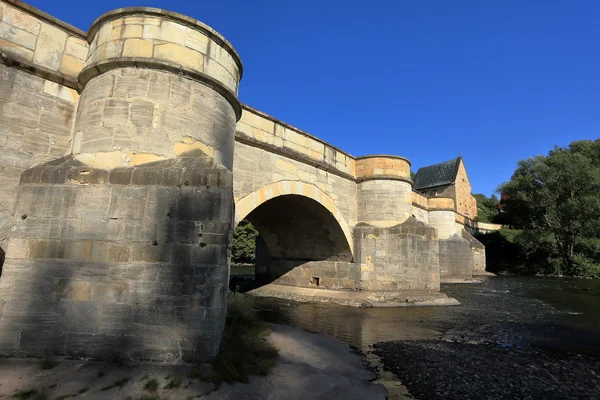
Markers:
552,206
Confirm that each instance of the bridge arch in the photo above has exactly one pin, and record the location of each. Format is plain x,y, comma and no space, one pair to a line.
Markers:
250,202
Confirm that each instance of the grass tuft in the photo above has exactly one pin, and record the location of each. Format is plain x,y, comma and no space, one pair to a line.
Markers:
244,350
174,382
151,385
120,383
47,363
30,394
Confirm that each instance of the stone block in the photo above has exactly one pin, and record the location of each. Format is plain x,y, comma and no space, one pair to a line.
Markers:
77,48
71,65
131,31
60,91
17,36
50,46
142,113
137,48
110,292
79,316
116,112
72,289
197,41
180,55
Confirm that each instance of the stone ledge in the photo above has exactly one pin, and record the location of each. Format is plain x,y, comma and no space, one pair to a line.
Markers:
177,17
385,177
47,17
293,128
181,171
384,156
20,63
355,298
92,70
292,154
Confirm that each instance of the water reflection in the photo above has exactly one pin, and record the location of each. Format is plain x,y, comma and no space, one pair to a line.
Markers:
359,327
558,313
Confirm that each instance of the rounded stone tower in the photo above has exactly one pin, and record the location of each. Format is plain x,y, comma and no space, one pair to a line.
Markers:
384,191
396,252
122,248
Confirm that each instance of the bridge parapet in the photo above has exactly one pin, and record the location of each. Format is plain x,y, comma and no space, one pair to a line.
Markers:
260,128
52,46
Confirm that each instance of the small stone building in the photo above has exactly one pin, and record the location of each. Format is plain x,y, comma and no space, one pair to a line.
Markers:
448,179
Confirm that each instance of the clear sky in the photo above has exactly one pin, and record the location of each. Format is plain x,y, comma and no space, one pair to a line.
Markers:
496,81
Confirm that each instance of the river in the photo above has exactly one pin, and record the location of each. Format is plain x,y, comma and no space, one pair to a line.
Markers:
550,312
511,337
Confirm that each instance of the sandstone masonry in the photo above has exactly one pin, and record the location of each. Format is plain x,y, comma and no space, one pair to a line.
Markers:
126,160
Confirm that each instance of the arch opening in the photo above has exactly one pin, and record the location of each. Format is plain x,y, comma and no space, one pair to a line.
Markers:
299,243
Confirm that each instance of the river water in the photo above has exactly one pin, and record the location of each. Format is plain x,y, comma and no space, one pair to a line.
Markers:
550,313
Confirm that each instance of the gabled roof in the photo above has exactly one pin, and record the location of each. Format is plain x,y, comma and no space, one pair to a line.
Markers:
440,174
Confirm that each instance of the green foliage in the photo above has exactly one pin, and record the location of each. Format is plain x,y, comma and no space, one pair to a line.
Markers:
244,350
47,363
119,383
487,207
151,385
174,382
243,248
30,394
555,200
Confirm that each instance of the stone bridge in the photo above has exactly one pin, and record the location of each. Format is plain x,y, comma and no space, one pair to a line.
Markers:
126,160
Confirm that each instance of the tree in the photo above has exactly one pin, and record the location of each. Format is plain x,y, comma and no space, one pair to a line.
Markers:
487,207
557,199
244,242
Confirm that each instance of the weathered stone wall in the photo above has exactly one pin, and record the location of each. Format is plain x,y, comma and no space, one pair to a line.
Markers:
128,251
384,190
402,257
336,275
125,263
132,116
42,40
442,216
383,202
465,203
36,122
419,207
477,251
456,261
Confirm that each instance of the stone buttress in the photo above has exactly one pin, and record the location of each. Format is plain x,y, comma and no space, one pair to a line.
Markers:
457,258
121,249
395,251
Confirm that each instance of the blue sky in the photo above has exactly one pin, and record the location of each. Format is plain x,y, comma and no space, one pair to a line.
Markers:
496,81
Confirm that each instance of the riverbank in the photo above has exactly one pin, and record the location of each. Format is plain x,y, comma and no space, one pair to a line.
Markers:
438,369
351,298
507,331
310,366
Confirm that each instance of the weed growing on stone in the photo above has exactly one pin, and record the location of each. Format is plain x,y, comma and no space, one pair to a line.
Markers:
47,363
65,396
244,350
30,394
174,382
146,397
151,385
120,383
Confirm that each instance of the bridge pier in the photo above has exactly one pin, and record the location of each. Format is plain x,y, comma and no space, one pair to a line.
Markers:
395,251
121,249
